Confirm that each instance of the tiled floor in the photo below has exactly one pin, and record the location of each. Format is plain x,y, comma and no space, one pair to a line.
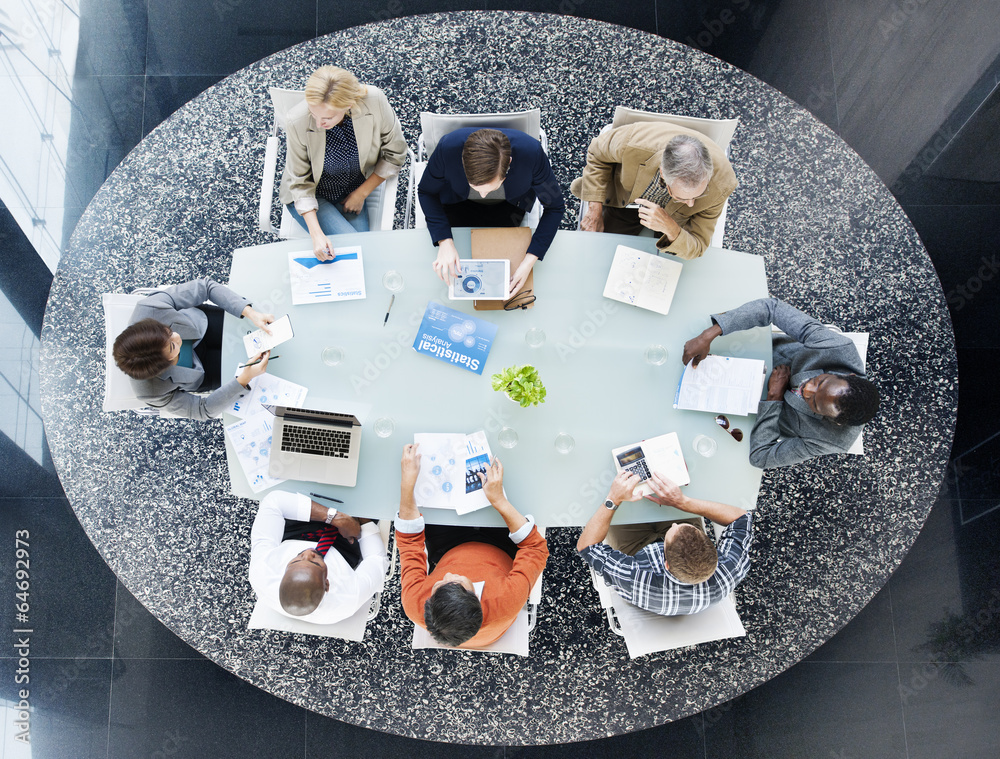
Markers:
916,674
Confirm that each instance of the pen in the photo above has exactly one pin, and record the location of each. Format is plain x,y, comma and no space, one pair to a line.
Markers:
319,495
254,363
391,301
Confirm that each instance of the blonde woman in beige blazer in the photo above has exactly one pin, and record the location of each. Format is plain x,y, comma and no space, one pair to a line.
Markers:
343,142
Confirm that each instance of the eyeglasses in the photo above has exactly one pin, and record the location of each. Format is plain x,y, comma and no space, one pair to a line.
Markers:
670,193
723,422
522,300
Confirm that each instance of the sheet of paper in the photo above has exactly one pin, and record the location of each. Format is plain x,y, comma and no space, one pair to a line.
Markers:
721,385
270,390
476,456
662,276
259,341
664,455
251,439
642,279
314,281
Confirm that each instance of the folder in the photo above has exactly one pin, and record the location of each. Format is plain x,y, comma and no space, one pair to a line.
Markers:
503,242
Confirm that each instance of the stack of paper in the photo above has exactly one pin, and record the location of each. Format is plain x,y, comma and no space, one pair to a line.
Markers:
251,437
450,464
722,385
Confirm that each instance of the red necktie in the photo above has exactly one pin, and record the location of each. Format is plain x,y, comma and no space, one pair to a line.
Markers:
325,538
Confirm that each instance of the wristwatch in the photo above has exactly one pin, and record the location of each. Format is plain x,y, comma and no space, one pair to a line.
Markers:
331,513
611,505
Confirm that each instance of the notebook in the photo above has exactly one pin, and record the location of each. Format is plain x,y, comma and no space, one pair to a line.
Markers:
503,242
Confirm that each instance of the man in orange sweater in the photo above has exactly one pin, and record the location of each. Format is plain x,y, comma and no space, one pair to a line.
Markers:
476,589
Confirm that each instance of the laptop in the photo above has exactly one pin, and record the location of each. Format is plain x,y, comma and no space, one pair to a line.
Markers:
657,454
315,446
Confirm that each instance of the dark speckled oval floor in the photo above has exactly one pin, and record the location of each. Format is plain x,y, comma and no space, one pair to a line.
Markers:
153,495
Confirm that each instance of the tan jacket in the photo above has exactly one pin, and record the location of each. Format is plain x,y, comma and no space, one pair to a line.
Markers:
381,147
622,162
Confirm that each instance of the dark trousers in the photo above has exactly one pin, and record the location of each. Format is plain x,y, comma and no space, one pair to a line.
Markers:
622,221
440,539
471,214
209,350
350,551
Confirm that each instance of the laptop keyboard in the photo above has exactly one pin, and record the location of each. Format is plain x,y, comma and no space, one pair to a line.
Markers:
639,468
319,442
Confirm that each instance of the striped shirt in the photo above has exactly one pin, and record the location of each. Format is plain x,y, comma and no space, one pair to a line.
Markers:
644,581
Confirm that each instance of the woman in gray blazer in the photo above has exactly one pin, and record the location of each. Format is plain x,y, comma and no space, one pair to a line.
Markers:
172,348
343,142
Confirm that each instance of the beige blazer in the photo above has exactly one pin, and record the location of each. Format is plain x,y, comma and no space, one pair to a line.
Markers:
622,162
381,147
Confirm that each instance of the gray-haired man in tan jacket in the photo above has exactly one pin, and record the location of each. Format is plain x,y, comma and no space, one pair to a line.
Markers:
676,180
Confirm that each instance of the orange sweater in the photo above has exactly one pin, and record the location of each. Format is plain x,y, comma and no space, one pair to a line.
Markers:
508,583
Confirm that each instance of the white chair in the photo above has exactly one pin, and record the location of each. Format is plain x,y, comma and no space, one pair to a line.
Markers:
647,633
434,126
719,131
383,205
860,340
513,641
264,617
118,392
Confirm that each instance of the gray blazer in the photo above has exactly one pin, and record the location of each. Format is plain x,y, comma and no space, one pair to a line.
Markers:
810,349
177,308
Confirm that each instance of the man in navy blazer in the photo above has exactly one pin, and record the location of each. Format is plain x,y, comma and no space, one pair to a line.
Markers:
488,178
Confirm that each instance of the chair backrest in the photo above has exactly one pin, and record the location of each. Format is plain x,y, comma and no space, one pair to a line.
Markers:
719,131
513,641
436,125
118,392
284,101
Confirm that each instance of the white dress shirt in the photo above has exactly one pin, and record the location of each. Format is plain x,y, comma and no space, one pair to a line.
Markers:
349,588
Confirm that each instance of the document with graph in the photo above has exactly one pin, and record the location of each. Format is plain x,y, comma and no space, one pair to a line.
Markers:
315,281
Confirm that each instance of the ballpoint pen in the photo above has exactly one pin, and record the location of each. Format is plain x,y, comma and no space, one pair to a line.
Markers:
391,301
254,363
329,498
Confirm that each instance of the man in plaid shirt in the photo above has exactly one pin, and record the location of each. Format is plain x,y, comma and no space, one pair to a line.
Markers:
667,568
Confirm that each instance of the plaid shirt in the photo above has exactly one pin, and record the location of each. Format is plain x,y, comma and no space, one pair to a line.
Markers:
644,581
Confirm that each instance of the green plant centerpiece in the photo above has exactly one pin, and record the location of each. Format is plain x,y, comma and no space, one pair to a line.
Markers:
521,384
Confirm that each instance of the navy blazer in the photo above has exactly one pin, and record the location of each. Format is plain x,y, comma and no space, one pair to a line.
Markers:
530,176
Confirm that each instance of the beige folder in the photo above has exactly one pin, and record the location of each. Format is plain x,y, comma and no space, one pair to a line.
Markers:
503,242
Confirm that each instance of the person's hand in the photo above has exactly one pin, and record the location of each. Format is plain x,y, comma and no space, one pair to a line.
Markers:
347,525
321,247
697,348
493,482
249,372
410,465
520,275
655,217
446,265
593,220
354,202
665,491
623,487
258,319
781,376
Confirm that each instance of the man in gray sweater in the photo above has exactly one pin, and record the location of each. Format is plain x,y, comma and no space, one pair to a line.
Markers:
817,396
